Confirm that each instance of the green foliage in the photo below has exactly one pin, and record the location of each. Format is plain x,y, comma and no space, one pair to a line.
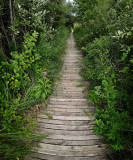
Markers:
16,145
42,89
32,41
106,41
23,84
112,124
51,51
49,116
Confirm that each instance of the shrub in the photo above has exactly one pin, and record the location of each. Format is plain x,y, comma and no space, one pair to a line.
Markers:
108,64
27,79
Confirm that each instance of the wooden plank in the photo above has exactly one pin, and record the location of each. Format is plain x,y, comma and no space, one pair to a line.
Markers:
55,157
72,148
72,110
69,101
67,106
71,74
72,142
75,138
70,118
66,127
73,59
71,68
72,64
90,153
65,132
59,92
55,113
69,89
71,78
70,81
66,91
70,61
72,90
58,122
67,84
33,158
73,103
68,95
64,83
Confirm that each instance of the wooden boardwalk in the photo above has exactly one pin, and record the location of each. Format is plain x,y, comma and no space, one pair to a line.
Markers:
71,135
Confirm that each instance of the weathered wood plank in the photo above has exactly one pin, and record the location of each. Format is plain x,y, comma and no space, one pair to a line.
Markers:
71,153
65,132
77,102
72,142
55,113
68,95
67,106
92,148
66,127
58,122
69,118
72,92
34,158
54,157
72,110
76,138
68,100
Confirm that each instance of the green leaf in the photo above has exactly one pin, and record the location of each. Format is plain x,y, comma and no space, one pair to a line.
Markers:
125,70
131,60
104,83
38,94
49,116
124,56
43,96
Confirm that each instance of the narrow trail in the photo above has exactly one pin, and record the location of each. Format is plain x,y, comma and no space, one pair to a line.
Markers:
71,136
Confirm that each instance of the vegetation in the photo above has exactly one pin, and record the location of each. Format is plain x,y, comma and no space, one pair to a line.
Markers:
104,31
32,41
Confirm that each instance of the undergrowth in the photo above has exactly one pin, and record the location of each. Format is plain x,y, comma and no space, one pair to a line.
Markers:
27,79
108,63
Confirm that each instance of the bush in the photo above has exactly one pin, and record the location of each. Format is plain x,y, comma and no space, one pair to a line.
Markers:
27,79
108,64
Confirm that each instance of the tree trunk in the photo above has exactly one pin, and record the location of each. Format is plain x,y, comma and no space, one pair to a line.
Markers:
4,30
11,17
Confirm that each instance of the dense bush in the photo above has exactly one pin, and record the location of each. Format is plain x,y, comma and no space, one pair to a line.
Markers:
106,41
23,83
31,47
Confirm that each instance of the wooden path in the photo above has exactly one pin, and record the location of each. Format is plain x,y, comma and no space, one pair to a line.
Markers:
71,136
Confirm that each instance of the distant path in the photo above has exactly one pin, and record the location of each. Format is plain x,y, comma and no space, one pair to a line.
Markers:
71,136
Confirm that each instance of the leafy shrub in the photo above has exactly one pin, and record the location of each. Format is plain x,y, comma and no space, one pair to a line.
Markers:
27,79
108,64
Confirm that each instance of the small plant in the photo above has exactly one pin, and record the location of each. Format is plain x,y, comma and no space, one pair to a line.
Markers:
43,88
